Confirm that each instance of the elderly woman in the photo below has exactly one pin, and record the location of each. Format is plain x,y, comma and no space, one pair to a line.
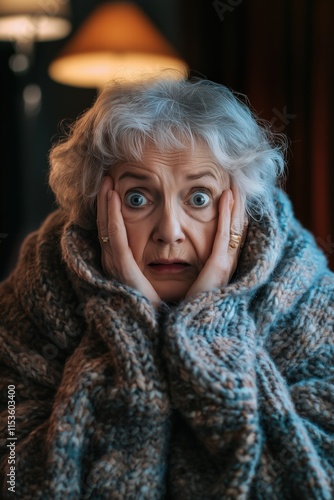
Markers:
169,330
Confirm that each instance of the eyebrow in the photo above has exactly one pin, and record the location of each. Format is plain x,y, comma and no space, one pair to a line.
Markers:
132,175
191,177
200,175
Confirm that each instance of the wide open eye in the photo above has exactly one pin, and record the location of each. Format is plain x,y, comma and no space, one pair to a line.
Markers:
136,200
199,199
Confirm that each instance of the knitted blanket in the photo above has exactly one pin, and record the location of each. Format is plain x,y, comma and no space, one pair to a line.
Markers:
228,395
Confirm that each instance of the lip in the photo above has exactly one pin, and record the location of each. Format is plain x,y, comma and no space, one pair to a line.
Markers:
165,266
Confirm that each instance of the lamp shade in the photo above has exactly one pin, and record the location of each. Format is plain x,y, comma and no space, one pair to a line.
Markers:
36,20
117,40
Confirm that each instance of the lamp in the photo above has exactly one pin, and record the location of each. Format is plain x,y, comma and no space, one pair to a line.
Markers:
117,40
27,21
36,20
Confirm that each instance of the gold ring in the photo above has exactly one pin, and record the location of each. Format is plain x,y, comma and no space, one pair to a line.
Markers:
235,239
105,239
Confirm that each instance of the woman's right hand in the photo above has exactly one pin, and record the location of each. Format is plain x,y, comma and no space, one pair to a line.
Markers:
116,255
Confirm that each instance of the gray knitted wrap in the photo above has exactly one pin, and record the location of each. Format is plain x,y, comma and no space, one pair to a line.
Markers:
229,395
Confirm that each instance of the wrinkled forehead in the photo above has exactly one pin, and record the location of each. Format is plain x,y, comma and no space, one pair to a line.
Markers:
190,160
179,150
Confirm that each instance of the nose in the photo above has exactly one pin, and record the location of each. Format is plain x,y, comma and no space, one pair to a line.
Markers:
168,228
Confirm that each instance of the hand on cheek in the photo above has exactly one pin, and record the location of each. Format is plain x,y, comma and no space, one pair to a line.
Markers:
116,255
223,260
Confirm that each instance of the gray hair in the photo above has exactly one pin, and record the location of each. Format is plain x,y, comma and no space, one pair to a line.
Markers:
173,115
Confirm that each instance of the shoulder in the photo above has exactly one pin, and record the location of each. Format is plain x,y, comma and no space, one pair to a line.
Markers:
301,341
38,304
39,283
320,299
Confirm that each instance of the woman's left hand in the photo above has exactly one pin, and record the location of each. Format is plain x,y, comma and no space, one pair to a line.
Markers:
222,263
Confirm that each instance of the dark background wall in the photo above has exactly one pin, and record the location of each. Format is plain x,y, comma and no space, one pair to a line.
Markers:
280,54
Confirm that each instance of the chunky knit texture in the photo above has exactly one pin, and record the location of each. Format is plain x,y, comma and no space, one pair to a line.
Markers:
228,395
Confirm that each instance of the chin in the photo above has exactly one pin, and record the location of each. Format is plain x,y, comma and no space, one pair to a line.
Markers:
173,293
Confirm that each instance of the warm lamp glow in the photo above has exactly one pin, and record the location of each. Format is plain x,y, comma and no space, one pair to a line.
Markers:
33,20
116,41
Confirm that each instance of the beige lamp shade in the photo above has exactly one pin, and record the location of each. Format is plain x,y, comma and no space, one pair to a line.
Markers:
117,41
36,20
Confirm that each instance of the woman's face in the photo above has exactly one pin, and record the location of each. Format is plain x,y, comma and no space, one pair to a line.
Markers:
170,210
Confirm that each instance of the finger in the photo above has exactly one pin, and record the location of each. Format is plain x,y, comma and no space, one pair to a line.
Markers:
238,212
116,255
222,239
112,222
102,206
115,223
224,256
239,221
106,219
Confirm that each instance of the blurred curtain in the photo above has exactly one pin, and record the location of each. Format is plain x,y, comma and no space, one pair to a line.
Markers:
280,54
